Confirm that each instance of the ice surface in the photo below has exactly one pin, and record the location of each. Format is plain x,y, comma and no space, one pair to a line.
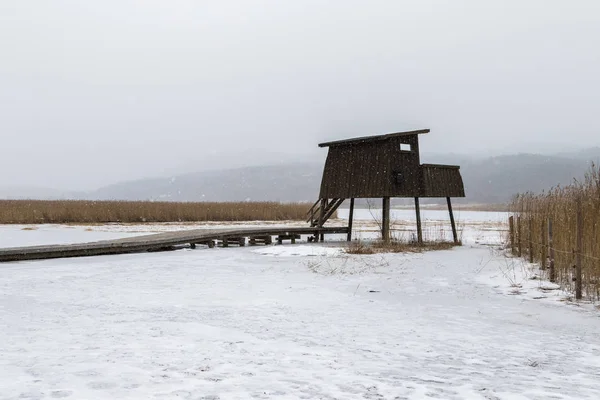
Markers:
426,215
305,321
300,250
32,235
473,227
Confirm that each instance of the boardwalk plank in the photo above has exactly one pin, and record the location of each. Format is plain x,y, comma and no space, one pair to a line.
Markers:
153,242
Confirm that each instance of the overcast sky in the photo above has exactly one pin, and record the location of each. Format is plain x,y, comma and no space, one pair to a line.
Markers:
93,92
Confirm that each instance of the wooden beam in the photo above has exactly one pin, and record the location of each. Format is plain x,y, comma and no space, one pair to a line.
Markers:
454,235
332,207
385,220
511,229
350,218
322,217
322,212
419,229
519,239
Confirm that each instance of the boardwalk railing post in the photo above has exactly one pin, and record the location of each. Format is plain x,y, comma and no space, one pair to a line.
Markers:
551,247
519,240
511,235
530,237
544,246
579,251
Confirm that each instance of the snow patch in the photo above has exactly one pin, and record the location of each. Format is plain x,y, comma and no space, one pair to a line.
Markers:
303,250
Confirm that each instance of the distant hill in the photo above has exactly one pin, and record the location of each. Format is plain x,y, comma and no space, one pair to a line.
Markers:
497,179
33,192
487,180
286,182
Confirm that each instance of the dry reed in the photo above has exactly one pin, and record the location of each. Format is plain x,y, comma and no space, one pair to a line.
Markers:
397,246
82,211
560,205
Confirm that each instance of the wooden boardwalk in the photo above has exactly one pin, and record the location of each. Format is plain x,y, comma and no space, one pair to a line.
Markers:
163,242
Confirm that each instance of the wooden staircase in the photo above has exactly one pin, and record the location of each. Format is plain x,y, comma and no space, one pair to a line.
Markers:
322,210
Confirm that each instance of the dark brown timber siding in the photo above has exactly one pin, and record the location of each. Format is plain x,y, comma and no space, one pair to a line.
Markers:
442,181
378,167
370,170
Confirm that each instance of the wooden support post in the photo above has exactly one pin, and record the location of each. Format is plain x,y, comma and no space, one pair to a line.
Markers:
519,241
454,235
544,247
552,274
350,218
385,220
511,229
288,236
419,229
260,239
530,239
579,252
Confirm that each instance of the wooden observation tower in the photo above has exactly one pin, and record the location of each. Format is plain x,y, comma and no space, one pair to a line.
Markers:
382,166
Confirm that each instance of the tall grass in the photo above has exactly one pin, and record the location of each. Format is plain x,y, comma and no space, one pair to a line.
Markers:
560,205
81,211
397,246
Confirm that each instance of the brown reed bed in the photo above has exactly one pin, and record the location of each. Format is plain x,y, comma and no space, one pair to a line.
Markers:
405,241
397,246
560,205
86,212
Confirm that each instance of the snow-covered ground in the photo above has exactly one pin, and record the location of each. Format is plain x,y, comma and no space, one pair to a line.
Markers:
303,321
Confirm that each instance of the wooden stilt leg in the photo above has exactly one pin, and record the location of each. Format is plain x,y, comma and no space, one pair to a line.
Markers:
454,235
419,229
385,220
350,218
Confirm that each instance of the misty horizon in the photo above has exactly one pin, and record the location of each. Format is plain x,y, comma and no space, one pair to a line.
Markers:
315,160
105,92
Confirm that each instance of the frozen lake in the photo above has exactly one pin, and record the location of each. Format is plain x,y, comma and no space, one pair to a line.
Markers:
474,226
427,215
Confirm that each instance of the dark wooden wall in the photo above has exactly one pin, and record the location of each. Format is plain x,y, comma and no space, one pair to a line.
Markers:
441,181
381,169
367,169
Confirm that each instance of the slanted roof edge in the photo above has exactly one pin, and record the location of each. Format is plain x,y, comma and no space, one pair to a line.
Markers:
366,139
